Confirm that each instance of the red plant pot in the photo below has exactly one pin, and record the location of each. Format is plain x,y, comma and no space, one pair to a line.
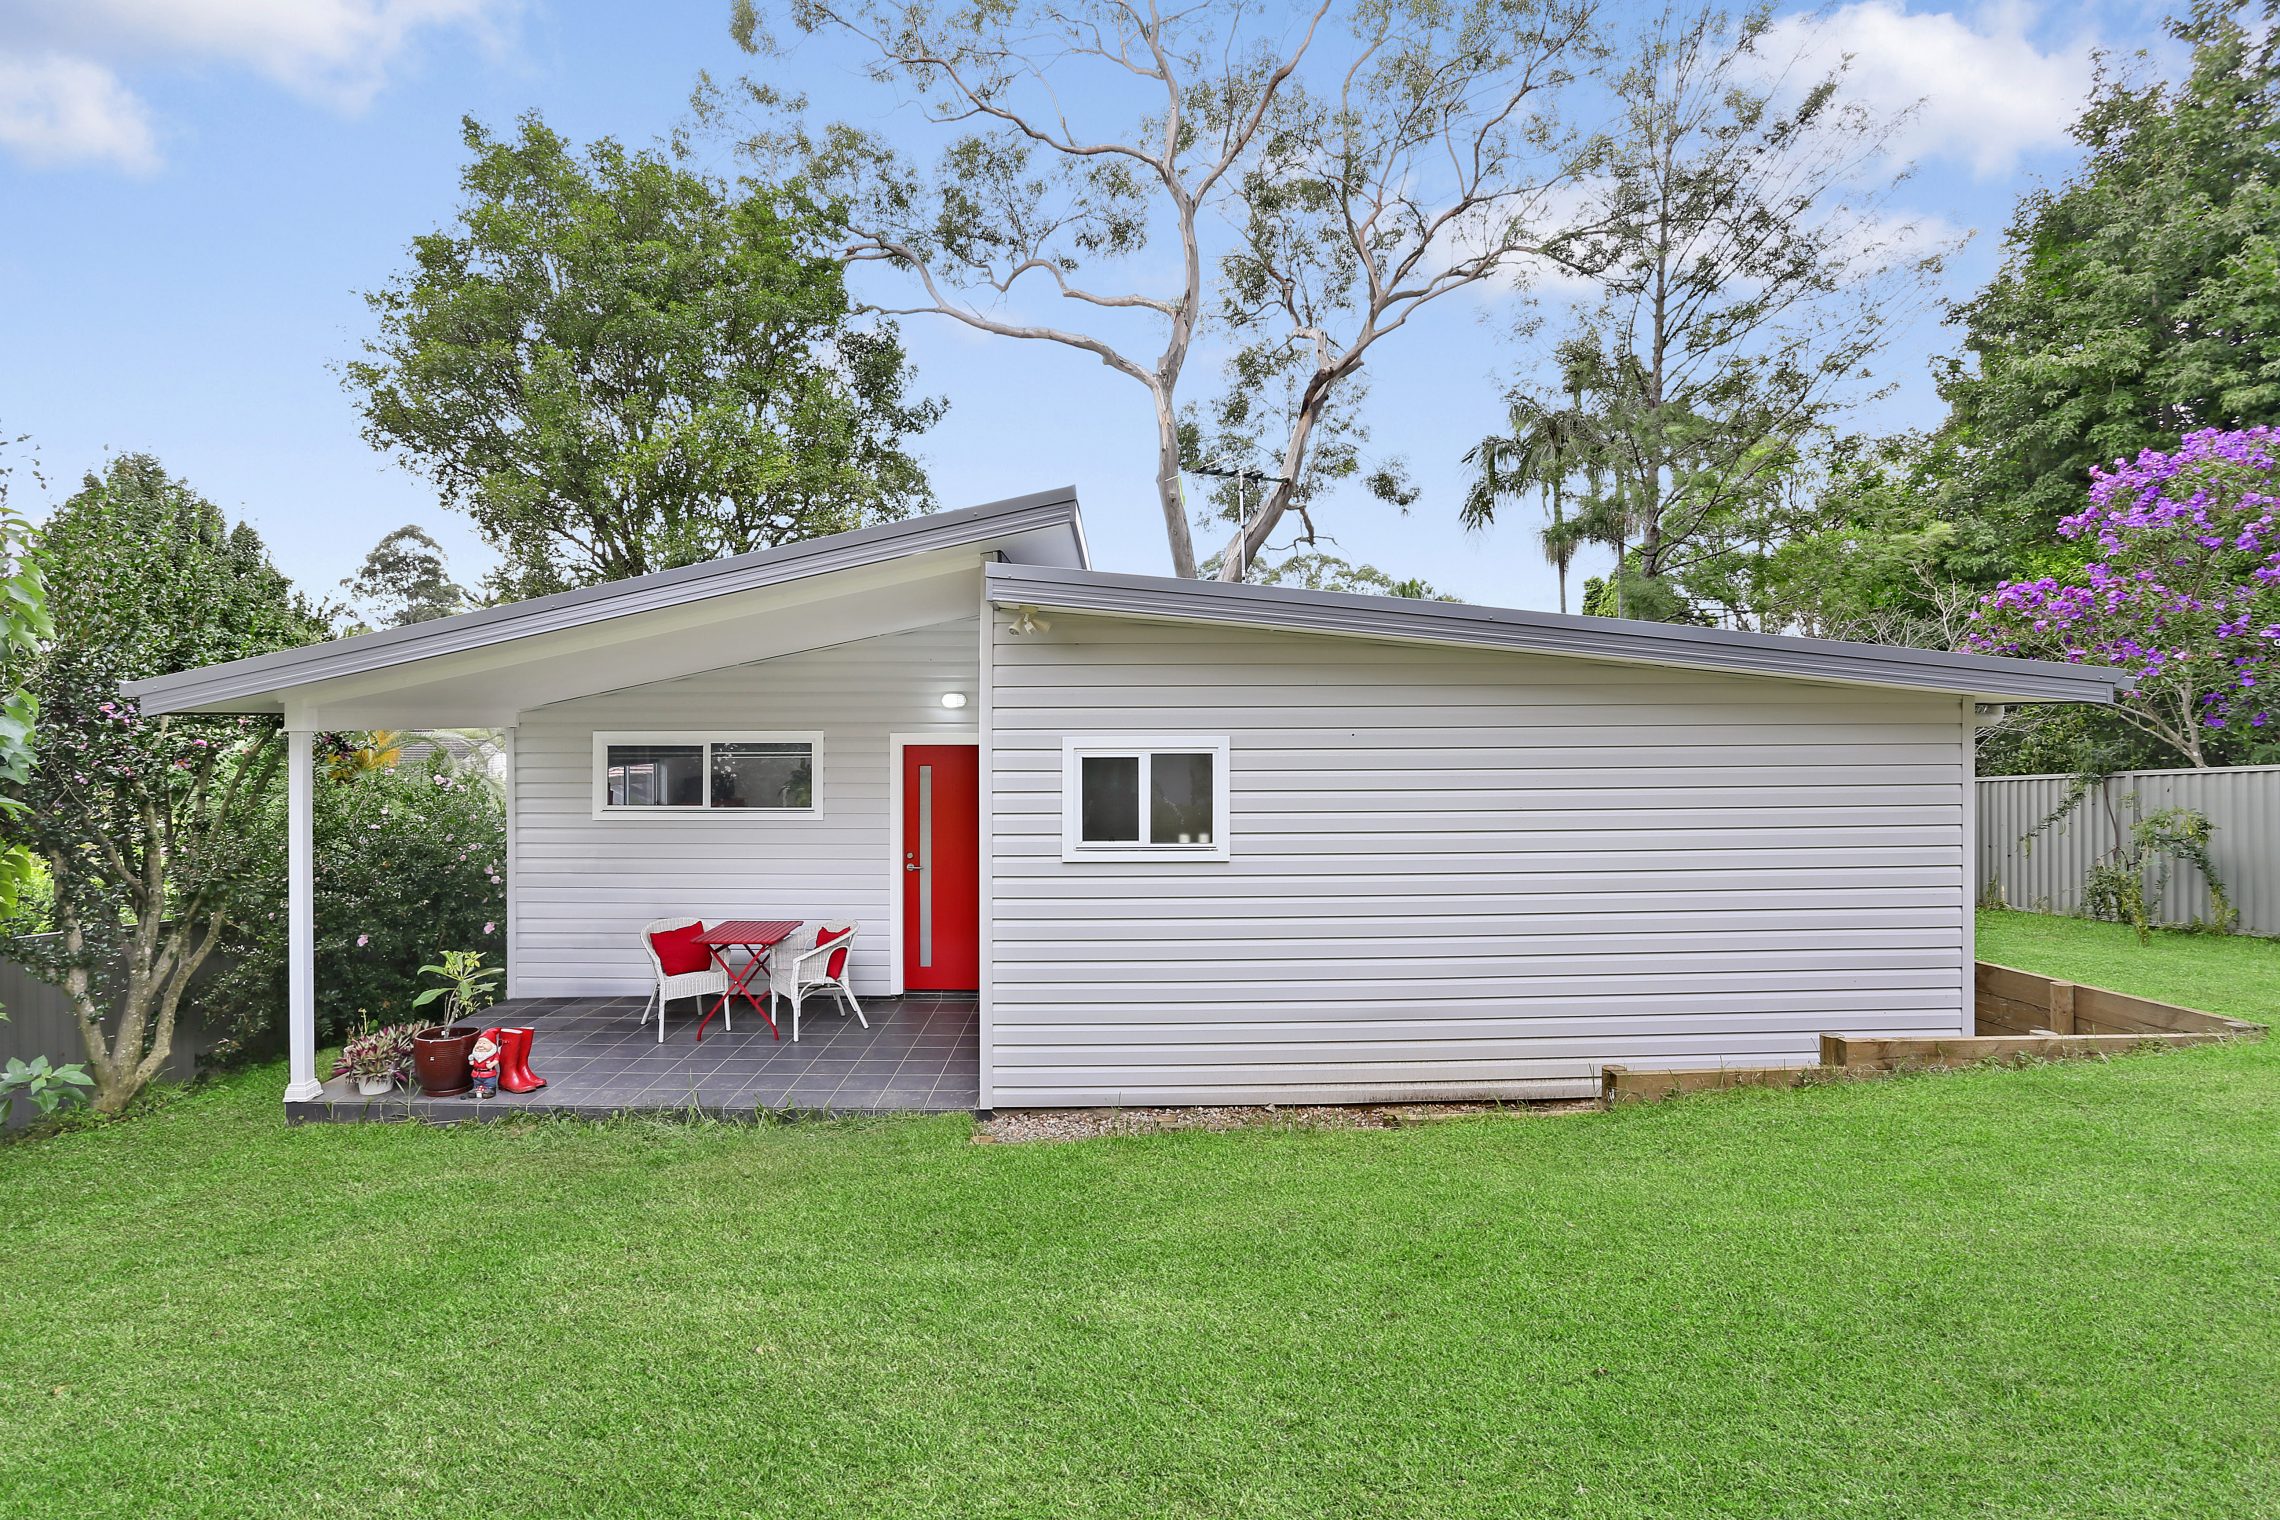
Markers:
439,1060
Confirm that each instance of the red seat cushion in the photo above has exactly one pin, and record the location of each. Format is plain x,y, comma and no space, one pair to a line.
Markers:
678,951
833,965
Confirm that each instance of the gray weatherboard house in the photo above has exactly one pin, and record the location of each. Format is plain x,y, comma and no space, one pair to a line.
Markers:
1202,843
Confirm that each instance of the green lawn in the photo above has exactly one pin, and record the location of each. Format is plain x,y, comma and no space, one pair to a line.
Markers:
2035,1292
2238,976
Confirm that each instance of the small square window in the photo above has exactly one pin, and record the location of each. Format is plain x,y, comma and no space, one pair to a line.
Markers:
1144,799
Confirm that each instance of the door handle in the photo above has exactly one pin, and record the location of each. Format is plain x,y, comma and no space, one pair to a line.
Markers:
909,867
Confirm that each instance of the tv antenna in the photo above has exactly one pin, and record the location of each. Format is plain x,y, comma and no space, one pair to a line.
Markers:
1241,476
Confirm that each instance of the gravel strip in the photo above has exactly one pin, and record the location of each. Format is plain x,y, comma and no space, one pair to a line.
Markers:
1013,1126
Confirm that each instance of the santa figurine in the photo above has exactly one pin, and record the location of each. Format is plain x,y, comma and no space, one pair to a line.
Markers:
483,1063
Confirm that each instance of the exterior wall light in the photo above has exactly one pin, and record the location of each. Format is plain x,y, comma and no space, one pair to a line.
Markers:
953,700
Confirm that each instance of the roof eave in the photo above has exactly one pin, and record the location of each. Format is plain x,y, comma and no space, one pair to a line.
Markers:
255,682
1983,677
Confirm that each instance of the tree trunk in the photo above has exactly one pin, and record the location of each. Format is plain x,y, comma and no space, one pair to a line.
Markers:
1251,537
1561,563
1622,547
1168,491
155,972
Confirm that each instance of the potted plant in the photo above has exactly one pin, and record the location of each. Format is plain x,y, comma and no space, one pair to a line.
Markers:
377,1058
439,1054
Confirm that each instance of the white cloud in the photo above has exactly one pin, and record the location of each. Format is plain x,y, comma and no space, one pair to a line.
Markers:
56,111
1988,92
68,56
1884,240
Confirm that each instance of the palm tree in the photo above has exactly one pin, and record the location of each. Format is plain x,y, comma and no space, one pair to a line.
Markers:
1543,449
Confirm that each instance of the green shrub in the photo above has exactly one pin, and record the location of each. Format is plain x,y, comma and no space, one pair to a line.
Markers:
407,862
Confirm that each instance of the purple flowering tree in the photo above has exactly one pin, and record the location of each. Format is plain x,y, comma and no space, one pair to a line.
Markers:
2184,592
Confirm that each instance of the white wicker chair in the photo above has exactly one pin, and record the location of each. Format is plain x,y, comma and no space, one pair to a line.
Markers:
800,966
706,983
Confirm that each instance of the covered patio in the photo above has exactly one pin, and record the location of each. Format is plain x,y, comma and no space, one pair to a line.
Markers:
792,695
920,1055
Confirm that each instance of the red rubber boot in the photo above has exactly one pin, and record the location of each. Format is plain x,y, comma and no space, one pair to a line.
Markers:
515,1074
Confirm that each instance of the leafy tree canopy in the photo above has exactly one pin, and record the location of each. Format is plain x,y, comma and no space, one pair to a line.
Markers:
24,622
404,580
1318,570
410,862
1750,268
2141,299
1118,179
617,365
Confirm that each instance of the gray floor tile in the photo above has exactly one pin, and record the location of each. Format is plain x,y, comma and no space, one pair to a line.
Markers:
917,1054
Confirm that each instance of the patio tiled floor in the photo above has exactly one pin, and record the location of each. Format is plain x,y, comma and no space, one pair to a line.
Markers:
920,1055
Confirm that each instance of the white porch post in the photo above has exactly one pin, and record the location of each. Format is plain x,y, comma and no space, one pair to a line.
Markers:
514,870
301,916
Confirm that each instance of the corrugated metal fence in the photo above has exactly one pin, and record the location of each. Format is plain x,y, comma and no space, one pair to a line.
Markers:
2242,804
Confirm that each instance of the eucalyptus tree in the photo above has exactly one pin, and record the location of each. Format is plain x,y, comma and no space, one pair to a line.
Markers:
1311,180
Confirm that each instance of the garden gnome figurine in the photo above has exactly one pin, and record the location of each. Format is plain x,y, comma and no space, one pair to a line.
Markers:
483,1061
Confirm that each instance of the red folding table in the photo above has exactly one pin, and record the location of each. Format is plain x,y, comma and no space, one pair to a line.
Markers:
758,936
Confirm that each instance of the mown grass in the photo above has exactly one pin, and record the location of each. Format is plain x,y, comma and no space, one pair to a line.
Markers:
2237,975
2045,1291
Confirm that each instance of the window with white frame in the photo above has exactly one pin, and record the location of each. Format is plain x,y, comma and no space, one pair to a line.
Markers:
1144,798
642,775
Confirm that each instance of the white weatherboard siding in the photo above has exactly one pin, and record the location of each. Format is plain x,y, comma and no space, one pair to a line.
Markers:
585,885
1464,872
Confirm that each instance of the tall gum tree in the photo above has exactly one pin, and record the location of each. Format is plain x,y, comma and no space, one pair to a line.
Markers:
1308,178
1751,266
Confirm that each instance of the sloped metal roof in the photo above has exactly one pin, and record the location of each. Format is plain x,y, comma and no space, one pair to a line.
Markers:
1046,522
1989,677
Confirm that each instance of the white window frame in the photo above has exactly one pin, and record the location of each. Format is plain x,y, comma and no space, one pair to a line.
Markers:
706,737
1144,748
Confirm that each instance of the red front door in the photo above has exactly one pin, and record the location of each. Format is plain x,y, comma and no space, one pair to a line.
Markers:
942,868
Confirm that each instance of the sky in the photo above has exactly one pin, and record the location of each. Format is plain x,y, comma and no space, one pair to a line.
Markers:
193,193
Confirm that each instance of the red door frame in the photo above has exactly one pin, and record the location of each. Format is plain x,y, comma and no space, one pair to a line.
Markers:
957,914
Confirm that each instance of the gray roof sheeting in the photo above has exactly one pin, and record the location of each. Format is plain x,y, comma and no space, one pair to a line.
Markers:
1991,677
241,679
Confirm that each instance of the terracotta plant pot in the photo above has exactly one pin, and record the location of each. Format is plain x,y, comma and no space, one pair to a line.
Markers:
439,1059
